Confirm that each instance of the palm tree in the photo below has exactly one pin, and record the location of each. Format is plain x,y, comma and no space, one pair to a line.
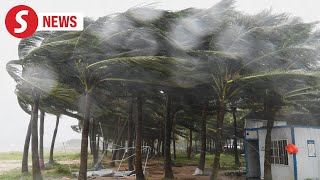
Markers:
31,87
229,52
167,141
36,172
51,161
242,50
26,108
42,114
24,167
235,139
138,156
130,135
203,135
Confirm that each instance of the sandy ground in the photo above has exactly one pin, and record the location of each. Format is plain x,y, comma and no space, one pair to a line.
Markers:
6,165
155,172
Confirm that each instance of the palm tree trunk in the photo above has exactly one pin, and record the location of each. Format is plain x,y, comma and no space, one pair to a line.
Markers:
130,136
203,150
114,144
36,172
220,118
24,167
51,160
98,145
138,157
42,113
173,135
267,155
168,174
90,142
158,146
122,151
174,145
272,102
153,147
118,135
161,137
114,153
190,145
84,139
235,140
103,145
93,142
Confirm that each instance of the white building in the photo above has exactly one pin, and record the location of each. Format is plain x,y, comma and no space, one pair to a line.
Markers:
304,165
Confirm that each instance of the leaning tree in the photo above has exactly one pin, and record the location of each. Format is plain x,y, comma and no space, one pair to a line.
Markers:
218,53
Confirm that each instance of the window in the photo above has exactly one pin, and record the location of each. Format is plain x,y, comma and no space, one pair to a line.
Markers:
278,153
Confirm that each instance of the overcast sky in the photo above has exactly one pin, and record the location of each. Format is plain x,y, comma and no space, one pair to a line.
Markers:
14,122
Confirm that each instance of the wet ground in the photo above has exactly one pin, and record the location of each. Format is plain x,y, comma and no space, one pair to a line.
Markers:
155,172
181,173
6,165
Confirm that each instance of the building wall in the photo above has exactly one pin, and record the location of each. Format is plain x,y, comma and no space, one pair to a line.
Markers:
307,167
258,123
279,172
251,134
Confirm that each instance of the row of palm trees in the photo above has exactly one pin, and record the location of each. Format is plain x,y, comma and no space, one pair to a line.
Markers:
172,69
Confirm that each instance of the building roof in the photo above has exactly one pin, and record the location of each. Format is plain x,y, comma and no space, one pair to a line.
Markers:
291,119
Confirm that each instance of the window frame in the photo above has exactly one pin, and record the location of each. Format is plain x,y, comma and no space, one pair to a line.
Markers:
279,156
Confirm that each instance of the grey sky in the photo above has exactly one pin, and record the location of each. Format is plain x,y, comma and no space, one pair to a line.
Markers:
14,121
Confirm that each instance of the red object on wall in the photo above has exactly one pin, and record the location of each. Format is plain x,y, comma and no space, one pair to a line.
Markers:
292,149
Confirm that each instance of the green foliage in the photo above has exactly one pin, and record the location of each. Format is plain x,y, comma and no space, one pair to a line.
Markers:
58,155
10,156
15,174
229,51
226,161
62,169
56,171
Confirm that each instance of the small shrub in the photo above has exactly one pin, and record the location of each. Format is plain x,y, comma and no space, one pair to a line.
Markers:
62,169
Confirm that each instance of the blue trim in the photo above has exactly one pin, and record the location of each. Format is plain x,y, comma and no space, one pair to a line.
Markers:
245,157
261,128
246,146
259,153
301,126
295,164
251,129
287,126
